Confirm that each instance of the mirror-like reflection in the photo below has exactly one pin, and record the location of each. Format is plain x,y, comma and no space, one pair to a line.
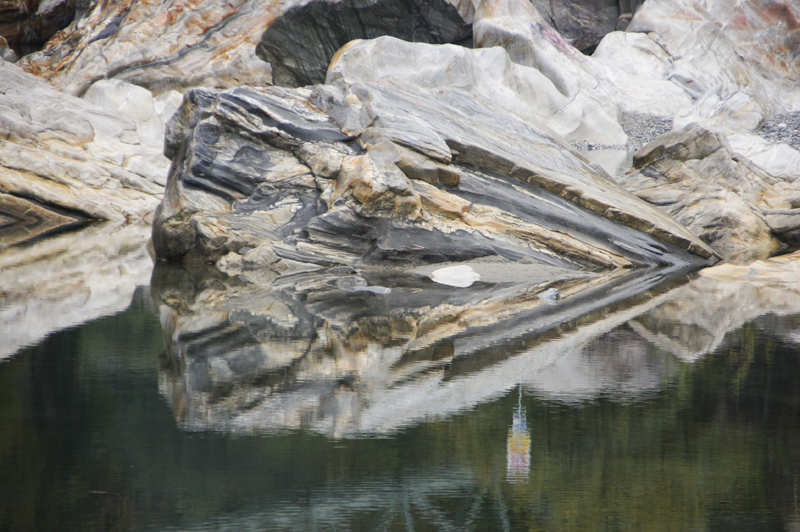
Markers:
632,404
69,279
307,354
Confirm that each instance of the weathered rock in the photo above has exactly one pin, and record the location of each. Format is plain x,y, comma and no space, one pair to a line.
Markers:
158,45
488,74
69,279
301,43
76,160
242,179
583,23
28,23
726,66
163,45
735,207
738,60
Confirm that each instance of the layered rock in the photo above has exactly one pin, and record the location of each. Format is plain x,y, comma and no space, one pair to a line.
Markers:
64,160
27,23
193,43
391,173
739,210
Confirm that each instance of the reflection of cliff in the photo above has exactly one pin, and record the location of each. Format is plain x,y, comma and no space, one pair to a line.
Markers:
69,279
304,354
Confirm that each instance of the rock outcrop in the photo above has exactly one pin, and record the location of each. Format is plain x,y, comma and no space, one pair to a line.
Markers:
30,23
64,160
739,210
190,43
301,43
387,172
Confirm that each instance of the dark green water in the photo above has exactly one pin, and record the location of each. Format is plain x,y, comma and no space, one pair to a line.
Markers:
88,442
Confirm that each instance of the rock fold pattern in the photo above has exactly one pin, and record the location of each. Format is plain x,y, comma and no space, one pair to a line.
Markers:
378,173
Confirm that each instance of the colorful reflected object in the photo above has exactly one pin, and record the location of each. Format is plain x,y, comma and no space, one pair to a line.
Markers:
518,446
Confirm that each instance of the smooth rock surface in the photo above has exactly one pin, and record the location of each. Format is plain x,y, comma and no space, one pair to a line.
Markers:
287,180
734,206
301,43
73,158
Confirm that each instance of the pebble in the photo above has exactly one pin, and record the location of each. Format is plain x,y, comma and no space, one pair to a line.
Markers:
782,128
640,128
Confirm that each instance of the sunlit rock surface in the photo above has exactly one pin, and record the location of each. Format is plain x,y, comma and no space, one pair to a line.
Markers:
70,160
390,173
300,352
739,210
69,279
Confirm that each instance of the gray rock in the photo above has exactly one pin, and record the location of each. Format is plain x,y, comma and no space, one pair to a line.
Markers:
550,296
301,43
308,175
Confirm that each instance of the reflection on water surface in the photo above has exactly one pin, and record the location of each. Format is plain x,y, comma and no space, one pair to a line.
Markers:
648,401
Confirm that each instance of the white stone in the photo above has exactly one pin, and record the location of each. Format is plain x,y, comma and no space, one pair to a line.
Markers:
459,276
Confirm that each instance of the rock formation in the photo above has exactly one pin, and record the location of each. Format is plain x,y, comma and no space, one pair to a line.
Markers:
30,23
387,172
739,210
64,160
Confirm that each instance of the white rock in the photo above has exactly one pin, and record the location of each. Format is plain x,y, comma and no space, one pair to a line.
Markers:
460,276
779,160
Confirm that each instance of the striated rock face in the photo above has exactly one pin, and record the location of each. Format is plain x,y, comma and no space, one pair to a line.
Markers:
735,207
488,74
738,60
193,43
300,44
386,173
64,160
158,45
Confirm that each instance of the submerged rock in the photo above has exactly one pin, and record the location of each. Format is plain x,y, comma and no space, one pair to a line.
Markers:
390,173
735,207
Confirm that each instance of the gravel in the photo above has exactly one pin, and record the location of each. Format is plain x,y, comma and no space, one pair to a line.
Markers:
783,128
640,128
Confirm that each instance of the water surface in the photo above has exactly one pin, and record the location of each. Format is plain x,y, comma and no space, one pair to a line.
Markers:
673,409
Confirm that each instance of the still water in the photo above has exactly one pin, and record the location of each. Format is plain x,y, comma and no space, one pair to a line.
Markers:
675,409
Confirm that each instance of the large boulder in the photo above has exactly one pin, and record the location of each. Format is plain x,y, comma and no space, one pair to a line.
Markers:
300,44
385,172
64,160
735,207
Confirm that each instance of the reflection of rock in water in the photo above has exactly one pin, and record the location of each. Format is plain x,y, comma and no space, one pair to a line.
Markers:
305,353
69,279
518,446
